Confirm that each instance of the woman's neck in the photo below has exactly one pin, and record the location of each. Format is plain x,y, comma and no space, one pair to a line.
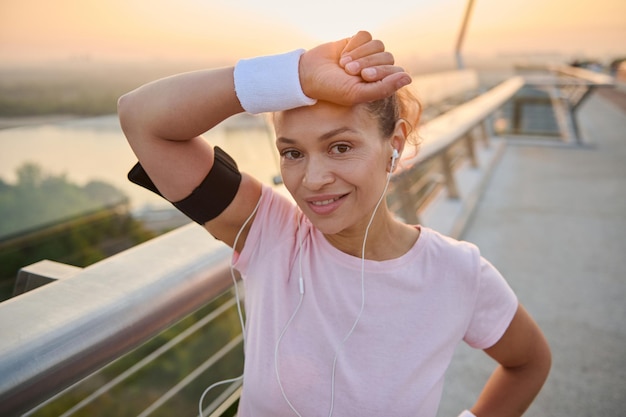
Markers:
387,238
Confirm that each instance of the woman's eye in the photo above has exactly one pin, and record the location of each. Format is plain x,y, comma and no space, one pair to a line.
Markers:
340,148
291,154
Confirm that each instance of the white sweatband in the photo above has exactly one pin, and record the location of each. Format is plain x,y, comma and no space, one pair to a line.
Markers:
270,83
466,413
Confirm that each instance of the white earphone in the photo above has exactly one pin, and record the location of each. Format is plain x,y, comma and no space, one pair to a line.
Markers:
394,156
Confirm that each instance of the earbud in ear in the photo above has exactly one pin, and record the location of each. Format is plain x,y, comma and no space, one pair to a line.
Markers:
395,155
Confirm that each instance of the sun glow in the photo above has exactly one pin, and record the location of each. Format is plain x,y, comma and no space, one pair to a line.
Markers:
38,29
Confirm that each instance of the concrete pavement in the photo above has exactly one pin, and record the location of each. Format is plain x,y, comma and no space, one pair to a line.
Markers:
552,219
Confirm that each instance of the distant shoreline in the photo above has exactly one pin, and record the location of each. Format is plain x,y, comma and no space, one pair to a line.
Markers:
21,121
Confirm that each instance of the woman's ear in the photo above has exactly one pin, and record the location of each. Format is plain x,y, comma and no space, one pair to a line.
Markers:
399,136
397,141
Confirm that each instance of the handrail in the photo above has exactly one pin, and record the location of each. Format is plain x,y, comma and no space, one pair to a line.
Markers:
80,323
439,135
441,132
582,74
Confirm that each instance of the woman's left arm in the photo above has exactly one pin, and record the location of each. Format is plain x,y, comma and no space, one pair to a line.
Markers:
524,361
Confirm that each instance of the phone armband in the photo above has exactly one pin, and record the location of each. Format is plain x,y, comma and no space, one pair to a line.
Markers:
209,199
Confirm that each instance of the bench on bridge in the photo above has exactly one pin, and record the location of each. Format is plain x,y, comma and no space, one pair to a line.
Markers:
565,89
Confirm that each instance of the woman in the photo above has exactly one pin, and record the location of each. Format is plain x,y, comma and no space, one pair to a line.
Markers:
349,311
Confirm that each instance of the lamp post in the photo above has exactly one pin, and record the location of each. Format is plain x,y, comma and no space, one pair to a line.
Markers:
459,41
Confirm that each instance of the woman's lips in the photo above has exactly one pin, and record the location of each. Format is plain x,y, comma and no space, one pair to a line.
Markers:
325,204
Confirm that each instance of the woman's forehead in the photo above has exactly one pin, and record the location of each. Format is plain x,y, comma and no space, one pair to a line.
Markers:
323,115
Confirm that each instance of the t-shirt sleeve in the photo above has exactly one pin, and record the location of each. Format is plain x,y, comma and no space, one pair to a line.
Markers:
274,223
495,306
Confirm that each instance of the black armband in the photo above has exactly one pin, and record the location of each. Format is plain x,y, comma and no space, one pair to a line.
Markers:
211,197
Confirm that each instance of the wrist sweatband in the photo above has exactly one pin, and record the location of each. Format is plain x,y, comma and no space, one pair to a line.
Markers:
211,197
270,83
466,413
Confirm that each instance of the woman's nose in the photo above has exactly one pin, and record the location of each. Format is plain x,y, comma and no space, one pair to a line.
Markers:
317,174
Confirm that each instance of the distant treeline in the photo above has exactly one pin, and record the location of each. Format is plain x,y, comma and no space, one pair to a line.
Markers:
83,89
38,198
44,216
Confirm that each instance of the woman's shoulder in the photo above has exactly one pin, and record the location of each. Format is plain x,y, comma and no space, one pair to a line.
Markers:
277,213
274,226
442,246
276,201
439,238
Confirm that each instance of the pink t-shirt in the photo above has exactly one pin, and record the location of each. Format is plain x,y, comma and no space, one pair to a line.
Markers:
418,307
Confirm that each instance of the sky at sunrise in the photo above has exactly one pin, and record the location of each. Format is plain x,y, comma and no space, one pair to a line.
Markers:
32,30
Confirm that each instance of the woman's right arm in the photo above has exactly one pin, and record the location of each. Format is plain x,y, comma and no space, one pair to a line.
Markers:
163,121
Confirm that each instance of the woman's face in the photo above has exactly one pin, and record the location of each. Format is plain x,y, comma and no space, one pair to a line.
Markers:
334,162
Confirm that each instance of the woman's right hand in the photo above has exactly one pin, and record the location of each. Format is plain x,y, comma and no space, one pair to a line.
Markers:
351,71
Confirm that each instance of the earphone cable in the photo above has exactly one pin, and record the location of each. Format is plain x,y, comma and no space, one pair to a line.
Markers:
358,318
293,315
239,310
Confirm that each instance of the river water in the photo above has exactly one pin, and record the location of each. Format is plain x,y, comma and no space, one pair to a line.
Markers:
95,148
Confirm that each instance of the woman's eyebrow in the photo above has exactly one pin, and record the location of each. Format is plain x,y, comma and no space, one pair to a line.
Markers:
321,138
335,132
287,141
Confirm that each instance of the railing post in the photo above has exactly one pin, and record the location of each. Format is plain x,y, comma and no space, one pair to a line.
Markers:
42,273
471,152
484,131
407,199
518,108
448,174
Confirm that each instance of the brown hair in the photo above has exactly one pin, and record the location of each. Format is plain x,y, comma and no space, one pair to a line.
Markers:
400,105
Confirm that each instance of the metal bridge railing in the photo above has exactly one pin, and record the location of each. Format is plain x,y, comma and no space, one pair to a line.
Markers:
58,334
